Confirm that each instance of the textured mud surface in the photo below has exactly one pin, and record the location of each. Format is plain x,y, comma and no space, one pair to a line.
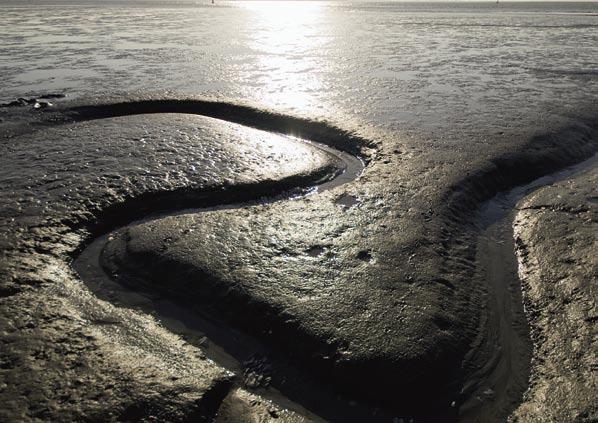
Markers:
65,355
556,246
447,103
371,287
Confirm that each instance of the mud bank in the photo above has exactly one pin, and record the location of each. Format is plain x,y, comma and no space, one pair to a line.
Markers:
555,233
497,259
65,182
372,286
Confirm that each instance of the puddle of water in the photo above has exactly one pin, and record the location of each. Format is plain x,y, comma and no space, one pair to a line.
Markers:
346,201
316,251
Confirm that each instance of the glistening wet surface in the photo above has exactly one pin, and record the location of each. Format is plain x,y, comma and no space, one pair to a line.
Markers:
262,267
274,373
490,392
447,103
512,350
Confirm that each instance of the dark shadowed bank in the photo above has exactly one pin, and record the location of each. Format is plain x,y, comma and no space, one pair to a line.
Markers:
381,300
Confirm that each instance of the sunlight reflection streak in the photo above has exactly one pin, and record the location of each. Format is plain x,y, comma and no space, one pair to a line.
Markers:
287,42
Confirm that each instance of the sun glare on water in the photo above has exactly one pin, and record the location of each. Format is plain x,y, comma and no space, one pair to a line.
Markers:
286,38
282,9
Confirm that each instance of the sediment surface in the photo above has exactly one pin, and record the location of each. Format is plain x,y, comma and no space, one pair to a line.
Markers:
65,355
371,288
555,233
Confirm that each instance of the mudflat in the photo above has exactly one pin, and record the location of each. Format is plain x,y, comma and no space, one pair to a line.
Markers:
555,231
296,211
368,290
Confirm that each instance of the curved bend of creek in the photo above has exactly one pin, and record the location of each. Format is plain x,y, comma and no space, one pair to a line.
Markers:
494,390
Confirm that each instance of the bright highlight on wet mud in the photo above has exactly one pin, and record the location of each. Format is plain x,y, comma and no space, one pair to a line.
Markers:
333,211
287,31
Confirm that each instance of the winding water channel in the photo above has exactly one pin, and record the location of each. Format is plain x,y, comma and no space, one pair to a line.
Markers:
492,391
